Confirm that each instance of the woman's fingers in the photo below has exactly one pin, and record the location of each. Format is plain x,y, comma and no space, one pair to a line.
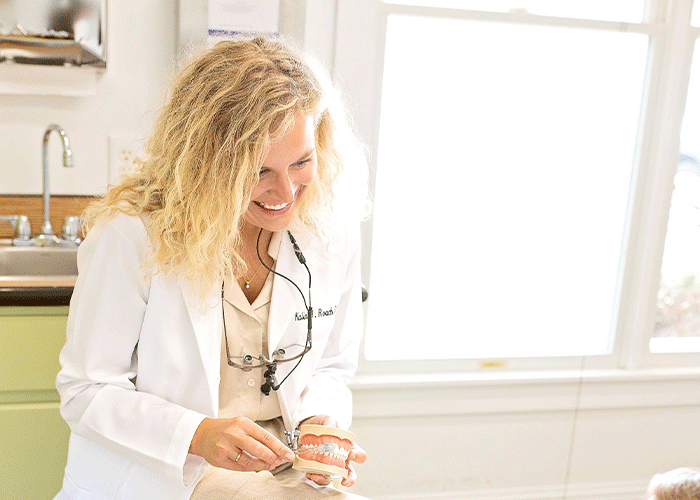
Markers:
247,463
265,447
352,477
320,479
357,454
323,480
238,444
281,452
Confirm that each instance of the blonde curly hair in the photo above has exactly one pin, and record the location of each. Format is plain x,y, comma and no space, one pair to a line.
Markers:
202,160
682,483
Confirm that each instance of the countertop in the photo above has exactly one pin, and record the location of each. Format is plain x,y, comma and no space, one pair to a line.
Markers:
43,291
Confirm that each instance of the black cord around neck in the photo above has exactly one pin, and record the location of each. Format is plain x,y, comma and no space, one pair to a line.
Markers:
272,367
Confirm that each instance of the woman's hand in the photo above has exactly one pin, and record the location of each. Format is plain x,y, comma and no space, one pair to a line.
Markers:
357,454
238,444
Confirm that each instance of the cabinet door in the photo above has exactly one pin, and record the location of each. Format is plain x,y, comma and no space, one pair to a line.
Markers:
30,347
33,436
33,450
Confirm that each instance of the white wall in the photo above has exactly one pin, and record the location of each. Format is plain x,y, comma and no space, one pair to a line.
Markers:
525,436
141,45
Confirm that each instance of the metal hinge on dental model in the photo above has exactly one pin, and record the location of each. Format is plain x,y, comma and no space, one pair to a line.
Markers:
292,439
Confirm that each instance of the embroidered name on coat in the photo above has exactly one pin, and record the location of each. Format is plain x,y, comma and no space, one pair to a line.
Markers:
318,313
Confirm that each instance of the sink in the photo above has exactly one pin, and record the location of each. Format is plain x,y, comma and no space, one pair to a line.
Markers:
36,276
37,264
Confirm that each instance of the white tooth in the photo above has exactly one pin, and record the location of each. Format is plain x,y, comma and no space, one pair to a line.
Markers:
275,207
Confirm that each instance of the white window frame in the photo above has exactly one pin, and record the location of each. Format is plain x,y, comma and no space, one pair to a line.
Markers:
358,61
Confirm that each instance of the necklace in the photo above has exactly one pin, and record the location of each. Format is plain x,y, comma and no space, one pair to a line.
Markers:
261,263
248,281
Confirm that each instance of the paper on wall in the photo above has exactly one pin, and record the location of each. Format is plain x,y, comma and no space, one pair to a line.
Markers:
231,17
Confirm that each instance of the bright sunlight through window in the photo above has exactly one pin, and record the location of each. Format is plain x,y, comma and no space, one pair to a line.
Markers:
503,175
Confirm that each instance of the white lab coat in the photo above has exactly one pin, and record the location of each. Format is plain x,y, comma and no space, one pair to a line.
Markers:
140,368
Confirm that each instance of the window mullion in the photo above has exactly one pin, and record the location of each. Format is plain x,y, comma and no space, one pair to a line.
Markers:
667,82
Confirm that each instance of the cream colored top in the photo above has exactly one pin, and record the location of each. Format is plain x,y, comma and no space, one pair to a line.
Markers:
246,329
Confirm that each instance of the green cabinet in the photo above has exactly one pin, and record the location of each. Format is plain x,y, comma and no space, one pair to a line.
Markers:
33,436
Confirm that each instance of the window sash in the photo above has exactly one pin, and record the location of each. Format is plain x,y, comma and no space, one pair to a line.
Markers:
359,44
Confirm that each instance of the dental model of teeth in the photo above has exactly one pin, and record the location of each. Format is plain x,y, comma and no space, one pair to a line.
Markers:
332,460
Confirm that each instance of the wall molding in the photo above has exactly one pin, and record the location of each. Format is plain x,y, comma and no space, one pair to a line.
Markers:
415,395
622,490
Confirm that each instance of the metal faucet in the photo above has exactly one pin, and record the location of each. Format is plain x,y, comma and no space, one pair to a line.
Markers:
23,230
47,236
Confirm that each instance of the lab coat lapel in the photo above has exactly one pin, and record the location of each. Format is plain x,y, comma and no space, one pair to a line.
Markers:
205,315
286,300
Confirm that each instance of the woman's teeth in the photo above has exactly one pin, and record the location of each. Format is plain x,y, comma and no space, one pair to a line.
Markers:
272,207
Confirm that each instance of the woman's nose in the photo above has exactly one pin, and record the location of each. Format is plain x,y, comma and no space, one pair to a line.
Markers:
284,187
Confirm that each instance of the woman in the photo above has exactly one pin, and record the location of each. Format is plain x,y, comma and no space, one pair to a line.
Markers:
189,341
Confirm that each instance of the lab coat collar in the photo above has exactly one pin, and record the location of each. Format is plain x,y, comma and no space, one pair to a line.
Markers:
285,297
301,233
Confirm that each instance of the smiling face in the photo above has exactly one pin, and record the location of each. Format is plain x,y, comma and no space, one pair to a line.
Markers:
289,167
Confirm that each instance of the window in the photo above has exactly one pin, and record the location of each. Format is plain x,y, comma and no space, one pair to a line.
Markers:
517,146
677,324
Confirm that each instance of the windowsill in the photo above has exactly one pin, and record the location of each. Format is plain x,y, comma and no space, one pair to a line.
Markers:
529,377
523,392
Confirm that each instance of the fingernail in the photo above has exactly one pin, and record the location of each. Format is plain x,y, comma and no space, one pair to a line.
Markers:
289,456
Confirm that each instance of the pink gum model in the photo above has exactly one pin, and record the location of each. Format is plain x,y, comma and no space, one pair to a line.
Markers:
333,463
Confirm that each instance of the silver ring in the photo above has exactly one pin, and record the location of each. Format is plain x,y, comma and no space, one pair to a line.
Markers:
238,457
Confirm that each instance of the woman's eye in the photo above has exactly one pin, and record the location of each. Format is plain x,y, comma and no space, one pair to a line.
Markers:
302,163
